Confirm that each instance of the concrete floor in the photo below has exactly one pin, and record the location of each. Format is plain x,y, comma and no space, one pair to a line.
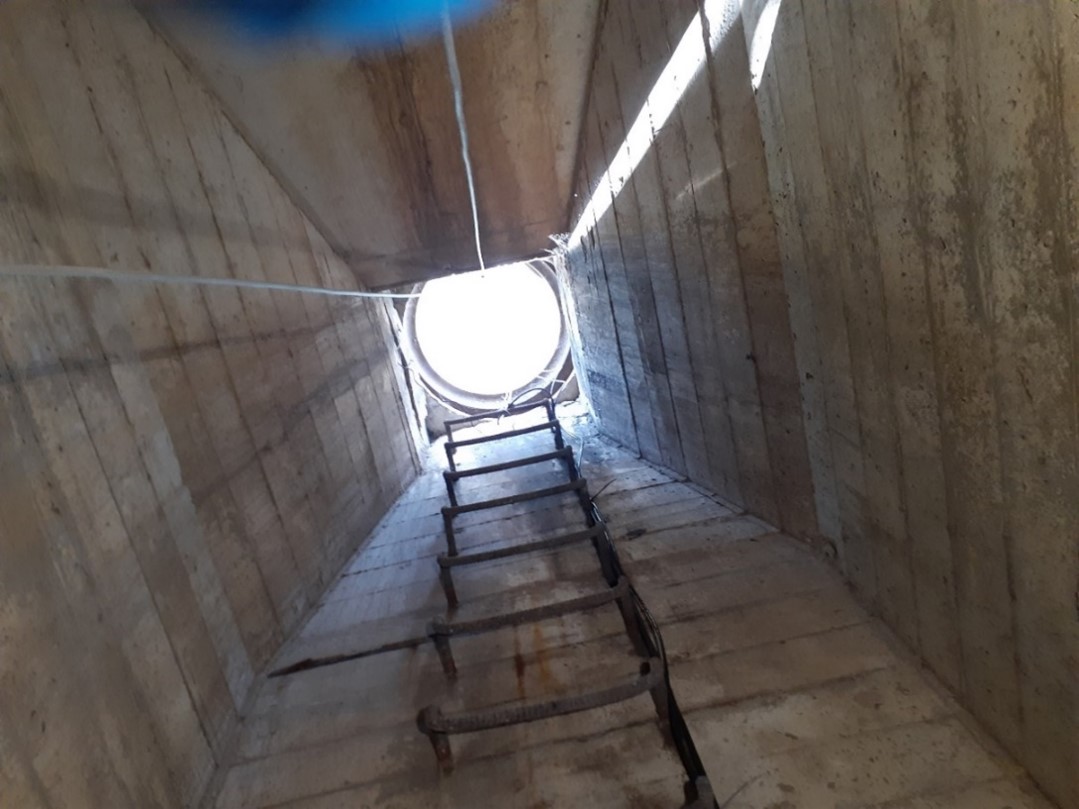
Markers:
796,697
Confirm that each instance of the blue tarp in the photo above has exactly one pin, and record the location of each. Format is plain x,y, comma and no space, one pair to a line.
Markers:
336,20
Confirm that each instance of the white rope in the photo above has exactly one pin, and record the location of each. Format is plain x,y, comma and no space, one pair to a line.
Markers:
102,274
459,106
119,276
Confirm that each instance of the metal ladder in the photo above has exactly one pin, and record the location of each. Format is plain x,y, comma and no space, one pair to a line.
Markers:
613,587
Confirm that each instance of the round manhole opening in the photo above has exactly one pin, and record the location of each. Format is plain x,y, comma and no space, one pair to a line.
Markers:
481,338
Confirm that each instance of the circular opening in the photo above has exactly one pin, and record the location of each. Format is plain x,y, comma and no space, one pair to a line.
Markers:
481,336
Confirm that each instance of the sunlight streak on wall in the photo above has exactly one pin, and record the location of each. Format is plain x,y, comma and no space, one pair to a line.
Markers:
761,46
685,65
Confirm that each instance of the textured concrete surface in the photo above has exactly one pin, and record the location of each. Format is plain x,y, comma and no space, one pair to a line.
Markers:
182,471
685,338
367,143
843,300
881,356
922,159
795,696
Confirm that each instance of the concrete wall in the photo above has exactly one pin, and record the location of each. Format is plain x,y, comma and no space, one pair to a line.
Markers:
920,160
678,288
368,144
181,470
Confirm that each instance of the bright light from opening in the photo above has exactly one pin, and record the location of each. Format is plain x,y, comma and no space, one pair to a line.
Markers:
489,332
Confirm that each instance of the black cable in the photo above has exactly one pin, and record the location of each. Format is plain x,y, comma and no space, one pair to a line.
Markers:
648,629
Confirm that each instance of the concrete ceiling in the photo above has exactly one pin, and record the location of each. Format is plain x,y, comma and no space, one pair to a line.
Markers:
368,146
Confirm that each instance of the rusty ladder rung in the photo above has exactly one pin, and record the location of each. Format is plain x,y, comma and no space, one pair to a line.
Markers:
450,513
512,410
440,632
550,543
446,563
438,727
553,424
564,454
514,499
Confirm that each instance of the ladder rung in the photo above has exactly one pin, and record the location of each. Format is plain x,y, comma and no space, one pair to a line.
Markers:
449,512
515,464
513,410
483,439
445,561
438,727
442,629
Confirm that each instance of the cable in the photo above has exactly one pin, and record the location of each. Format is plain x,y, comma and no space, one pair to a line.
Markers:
462,127
649,630
120,276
